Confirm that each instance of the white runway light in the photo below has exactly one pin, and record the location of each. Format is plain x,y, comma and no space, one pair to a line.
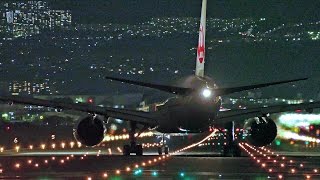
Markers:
206,93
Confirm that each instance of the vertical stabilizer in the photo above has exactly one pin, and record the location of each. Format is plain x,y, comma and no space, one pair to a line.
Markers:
201,44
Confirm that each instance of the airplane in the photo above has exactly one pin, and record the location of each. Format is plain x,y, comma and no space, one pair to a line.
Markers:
192,109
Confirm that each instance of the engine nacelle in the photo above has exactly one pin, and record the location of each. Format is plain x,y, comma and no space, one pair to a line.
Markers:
260,131
89,130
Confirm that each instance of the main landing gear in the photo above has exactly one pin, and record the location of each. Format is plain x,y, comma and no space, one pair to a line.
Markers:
231,148
163,147
133,147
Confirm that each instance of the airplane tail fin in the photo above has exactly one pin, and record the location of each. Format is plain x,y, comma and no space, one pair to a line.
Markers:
201,43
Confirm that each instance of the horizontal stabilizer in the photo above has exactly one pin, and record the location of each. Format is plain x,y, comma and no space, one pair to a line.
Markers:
166,88
225,91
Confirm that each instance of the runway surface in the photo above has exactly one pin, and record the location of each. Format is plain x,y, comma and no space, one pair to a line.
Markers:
190,158
95,165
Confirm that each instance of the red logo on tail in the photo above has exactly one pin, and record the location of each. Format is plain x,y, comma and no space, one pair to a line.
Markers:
200,50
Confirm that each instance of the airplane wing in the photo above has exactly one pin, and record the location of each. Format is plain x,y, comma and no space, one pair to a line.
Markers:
184,90
242,114
124,114
225,91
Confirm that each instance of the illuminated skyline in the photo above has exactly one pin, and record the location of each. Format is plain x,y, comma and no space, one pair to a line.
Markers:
86,50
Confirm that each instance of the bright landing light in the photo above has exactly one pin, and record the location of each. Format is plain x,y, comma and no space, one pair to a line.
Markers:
206,93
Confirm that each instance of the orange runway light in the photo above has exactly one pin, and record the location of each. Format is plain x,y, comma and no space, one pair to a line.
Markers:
79,144
17,148
17,165
105,175
71,144
117,171
43,146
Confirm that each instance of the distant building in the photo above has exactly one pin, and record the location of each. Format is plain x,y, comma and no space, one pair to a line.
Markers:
22,19
29,88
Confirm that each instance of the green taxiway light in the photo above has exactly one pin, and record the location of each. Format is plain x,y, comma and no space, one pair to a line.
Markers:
154,173
137,172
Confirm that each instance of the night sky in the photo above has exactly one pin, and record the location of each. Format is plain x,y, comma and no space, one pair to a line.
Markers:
99,11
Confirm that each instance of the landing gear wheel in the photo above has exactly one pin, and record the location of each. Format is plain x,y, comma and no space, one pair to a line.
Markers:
166,150
225,151
139,150
236,151
133,147
232,150
160,150
126,150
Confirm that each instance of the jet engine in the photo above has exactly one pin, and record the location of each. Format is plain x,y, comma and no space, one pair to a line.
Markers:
260,131
89,130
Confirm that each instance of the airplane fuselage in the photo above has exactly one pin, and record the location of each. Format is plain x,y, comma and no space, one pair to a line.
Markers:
189,113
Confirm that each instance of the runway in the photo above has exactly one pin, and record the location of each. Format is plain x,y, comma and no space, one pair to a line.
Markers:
191,157
95,165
